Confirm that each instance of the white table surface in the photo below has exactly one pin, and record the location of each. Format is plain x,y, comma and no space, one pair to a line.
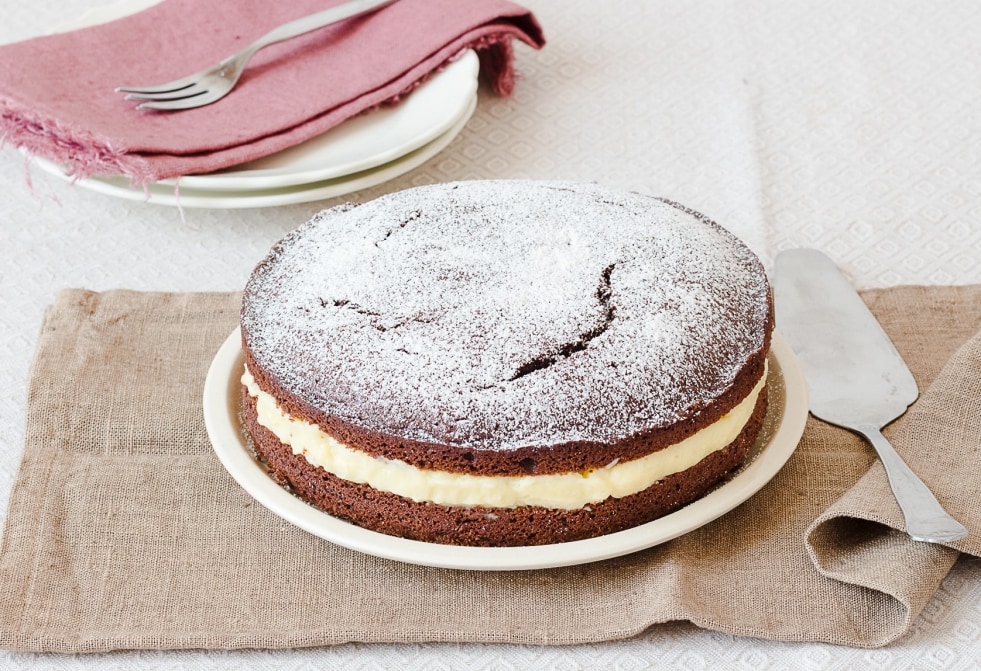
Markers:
851,127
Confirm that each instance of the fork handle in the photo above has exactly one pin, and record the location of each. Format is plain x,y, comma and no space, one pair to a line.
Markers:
312,22
926,520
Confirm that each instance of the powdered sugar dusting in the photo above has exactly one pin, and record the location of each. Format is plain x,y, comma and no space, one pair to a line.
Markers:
504,314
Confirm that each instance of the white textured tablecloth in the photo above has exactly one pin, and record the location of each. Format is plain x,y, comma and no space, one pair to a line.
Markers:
851,127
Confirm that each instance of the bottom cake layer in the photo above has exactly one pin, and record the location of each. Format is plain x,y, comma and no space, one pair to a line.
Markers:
395,515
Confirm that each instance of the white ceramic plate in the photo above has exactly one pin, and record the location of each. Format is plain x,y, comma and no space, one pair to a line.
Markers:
167,194
360,143
367,141
783,428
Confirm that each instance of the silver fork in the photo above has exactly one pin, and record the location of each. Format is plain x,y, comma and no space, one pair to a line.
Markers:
211,84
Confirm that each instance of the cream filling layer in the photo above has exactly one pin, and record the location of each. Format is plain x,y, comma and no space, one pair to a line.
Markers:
568,491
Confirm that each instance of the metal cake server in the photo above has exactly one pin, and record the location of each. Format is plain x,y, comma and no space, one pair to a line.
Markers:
855,377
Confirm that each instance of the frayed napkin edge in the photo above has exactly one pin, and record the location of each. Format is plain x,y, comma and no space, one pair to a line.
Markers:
80,152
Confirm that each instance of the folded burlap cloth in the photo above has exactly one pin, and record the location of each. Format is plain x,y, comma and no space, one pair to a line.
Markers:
57,98
124,530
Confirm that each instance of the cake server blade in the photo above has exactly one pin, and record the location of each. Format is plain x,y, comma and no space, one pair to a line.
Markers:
855,377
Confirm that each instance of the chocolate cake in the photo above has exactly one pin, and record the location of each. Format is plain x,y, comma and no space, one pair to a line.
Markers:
505,363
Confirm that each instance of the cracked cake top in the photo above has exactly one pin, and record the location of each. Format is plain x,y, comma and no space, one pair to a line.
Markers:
506,314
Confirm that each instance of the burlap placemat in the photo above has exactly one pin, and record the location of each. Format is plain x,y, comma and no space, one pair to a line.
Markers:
124,531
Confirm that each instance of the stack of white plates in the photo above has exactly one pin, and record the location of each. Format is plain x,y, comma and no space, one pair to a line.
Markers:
362,152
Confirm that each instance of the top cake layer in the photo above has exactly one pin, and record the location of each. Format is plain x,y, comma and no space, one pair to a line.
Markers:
497,315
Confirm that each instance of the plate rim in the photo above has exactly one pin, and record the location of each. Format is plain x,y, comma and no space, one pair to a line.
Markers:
221,415
192,198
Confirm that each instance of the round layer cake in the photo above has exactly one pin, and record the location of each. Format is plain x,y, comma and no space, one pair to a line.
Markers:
505,363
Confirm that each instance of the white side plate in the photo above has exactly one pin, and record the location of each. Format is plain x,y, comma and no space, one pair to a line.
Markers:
377,139
168,194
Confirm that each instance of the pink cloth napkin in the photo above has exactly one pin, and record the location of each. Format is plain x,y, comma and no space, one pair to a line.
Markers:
57,99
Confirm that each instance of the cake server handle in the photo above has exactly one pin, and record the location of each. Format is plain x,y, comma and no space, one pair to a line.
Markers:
926,520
